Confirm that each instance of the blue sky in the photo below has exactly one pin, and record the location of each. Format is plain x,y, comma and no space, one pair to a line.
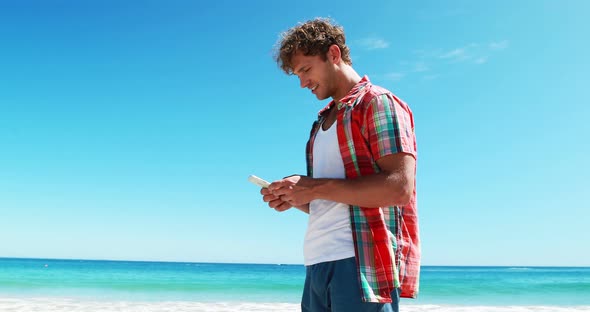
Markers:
128,129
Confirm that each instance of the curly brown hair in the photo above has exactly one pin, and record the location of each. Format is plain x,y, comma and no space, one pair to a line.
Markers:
313,37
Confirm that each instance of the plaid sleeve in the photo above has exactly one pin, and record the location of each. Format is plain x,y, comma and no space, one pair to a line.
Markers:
390,130
389,126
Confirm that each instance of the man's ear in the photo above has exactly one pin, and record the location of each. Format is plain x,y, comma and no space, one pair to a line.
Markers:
334,54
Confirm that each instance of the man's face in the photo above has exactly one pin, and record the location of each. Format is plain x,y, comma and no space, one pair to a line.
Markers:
314,74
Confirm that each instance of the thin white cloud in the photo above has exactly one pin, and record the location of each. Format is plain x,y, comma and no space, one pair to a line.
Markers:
421,67
499,45
456,54
481,60
427,62
373,43
394,76
474,52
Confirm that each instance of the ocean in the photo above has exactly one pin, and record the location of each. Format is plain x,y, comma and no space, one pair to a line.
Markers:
89,285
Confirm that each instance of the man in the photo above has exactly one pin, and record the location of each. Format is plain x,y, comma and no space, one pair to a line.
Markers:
361,248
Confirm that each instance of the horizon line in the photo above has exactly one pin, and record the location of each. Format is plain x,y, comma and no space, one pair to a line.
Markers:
280,263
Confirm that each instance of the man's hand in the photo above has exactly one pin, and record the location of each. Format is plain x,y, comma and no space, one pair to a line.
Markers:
292,191
274,201
295,190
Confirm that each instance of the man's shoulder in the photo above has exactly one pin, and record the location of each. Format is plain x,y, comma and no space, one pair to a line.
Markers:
374,92
378,98
378,90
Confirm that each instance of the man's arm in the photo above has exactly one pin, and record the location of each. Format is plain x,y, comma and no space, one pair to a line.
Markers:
394,185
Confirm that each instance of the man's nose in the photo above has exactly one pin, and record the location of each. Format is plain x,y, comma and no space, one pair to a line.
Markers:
303,82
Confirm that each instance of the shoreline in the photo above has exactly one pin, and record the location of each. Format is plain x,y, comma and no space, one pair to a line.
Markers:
55,304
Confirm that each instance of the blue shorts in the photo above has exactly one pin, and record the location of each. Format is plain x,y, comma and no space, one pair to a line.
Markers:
334,286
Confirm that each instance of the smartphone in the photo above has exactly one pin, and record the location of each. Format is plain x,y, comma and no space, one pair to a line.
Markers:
258,181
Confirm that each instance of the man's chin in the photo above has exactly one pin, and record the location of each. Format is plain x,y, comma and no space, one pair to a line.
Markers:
321,97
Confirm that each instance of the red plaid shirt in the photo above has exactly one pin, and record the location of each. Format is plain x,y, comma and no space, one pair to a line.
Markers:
372,123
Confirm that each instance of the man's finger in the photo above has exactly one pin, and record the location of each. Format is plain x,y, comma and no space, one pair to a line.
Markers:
283,206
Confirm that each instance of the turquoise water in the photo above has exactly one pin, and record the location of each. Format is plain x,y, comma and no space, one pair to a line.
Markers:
560,286
209,282
150,281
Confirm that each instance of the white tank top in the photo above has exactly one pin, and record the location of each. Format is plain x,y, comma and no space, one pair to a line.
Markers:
329,235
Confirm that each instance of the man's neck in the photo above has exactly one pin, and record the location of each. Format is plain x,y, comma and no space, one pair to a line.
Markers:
349,79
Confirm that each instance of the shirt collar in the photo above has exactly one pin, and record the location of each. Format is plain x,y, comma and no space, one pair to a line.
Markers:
359,89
